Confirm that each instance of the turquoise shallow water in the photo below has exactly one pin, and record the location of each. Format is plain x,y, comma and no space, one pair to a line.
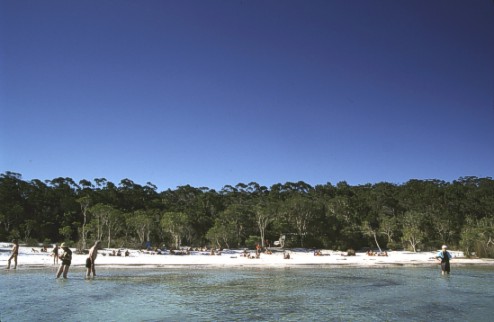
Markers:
241,294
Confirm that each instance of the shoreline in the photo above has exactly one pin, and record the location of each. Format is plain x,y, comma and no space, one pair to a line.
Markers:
219,266
33,258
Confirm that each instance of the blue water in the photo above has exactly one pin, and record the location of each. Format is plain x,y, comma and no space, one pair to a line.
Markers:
248,294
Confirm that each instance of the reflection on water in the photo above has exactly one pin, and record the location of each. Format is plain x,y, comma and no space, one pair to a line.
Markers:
239,294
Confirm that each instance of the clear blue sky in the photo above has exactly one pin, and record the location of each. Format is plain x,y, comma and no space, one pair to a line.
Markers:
211,93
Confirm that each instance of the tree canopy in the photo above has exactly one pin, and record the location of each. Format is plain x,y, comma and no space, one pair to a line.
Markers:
416,215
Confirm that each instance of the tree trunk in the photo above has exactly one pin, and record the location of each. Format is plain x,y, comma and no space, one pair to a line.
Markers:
375,238
109,237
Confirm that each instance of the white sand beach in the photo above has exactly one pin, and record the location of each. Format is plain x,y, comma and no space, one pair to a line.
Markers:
33,257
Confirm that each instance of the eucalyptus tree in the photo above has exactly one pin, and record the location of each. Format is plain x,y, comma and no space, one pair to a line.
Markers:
114,222
220,235
444,228
413,228
106,192
388,226
301,212
28,226
234,222
325,192
66,232
207,207
200,206
39,210
85,202
64,195
132,196
265,212
175,223
477,237
142,223
384,209
345,230
369,230
244,193
100,213
86,185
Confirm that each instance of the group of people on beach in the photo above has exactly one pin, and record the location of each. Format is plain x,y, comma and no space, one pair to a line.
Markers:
259,250
443,256
371,253
65,257
119,253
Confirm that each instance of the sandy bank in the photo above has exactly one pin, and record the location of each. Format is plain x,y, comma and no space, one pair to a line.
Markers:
33,258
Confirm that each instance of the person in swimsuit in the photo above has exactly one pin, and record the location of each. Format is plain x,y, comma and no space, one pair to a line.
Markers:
55,254
444,257
93,252
15,252
66,261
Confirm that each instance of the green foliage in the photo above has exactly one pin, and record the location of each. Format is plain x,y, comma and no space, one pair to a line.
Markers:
31,242
414,223
66,232
477,237
252,241
176,224
419,214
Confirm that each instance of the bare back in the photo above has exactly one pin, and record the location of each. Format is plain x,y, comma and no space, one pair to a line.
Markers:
93,253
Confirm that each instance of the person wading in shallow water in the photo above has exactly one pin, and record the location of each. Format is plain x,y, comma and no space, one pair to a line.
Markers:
66,261
444,257
15,252
55,254
93,252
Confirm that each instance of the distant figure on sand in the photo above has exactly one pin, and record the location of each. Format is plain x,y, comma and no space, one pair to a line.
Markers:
444,257
15,252
66,261
54,253
93,253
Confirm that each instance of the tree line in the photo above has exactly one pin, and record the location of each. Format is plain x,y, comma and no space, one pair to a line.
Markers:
416,215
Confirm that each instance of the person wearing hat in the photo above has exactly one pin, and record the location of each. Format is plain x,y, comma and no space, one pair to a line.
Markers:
66,258
93,252
443,256
15,252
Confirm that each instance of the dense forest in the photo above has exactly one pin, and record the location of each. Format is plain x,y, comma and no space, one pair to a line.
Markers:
416,215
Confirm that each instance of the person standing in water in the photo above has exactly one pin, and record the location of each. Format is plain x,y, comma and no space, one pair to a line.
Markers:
15,252
66,261
93,253
444,257
55,254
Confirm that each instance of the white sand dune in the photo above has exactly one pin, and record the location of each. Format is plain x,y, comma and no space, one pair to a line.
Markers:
30,257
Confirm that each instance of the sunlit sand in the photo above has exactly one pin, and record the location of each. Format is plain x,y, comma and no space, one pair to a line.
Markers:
31,257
